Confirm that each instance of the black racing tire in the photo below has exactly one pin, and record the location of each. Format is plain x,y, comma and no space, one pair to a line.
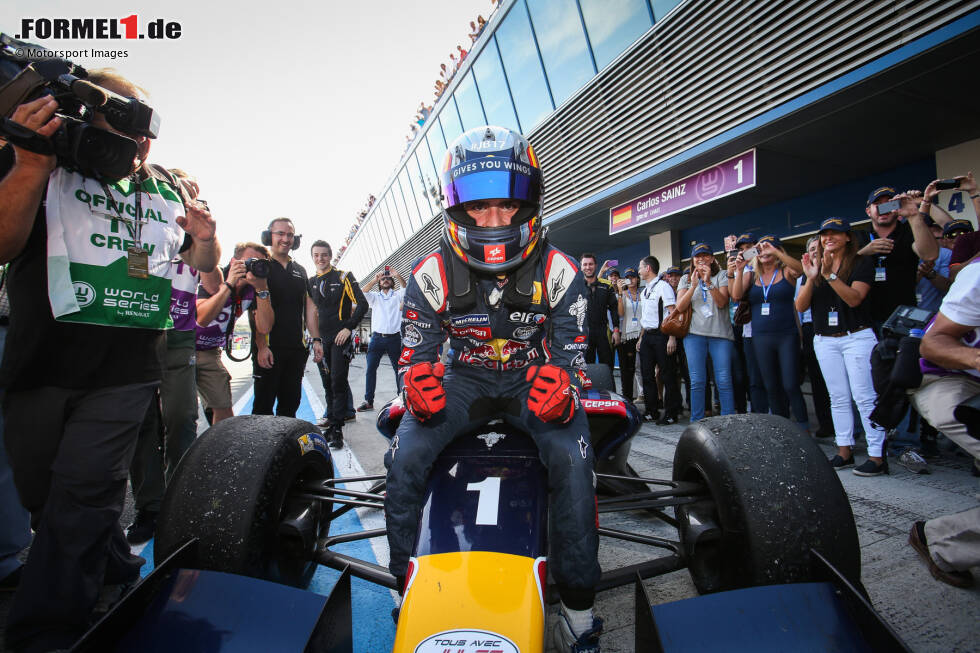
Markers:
773,496
231,489
601,376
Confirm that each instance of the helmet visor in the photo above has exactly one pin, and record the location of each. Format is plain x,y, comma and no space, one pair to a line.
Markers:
465,184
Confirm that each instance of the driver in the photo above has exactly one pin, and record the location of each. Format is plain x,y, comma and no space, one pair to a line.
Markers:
515,309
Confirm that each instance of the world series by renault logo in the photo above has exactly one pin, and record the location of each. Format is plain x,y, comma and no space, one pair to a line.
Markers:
84,293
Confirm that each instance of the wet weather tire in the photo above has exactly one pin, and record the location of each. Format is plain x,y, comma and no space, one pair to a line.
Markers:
773,497
231,489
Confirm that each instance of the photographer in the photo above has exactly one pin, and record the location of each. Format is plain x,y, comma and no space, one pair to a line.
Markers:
79,371
629,318
896,247
950,349
386,321
242,290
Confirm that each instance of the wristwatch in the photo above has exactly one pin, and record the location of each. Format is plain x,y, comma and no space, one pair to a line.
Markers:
262,294
320,340
832,276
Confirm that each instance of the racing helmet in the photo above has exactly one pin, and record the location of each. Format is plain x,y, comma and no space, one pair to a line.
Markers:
492,163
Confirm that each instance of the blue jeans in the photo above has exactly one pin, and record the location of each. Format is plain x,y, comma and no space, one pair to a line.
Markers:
721,349
15,521
378,347
757,389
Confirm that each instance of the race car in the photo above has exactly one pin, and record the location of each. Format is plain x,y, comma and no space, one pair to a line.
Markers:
755,506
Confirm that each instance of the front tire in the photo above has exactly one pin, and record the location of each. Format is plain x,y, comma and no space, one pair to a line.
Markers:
771,497
231,491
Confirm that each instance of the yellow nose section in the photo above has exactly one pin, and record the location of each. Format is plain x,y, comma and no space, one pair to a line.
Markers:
471,602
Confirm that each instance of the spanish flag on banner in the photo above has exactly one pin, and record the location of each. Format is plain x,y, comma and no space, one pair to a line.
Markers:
622,215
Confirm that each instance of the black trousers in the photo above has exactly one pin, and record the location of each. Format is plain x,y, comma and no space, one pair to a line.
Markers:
627,366
336,365
282,384
70,452
821,398
653,353
598,347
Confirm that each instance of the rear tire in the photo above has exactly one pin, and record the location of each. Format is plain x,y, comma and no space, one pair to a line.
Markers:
231,490
772,496
601,376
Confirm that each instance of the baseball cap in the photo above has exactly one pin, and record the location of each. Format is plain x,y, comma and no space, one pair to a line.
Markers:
957,227
673,269
630,272
701,248
883,191
745,239
772,240
611,271
835,224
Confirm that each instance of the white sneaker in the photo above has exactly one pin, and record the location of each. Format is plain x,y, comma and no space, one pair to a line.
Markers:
566,642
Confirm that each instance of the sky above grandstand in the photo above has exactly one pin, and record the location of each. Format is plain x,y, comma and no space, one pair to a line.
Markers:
286,108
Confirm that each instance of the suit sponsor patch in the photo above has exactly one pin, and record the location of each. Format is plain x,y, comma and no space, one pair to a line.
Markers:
473,319
411,337
525,332
559,272
406,356
479,333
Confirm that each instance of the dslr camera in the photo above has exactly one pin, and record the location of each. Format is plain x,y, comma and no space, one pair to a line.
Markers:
78,144
259,267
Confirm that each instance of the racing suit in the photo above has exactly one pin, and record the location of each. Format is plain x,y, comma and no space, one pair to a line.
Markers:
492,345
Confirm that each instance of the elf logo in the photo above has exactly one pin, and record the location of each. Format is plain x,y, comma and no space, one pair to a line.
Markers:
493,253
84,293
528,318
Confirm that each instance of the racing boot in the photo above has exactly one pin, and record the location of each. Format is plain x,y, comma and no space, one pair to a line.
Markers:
335,436
566,641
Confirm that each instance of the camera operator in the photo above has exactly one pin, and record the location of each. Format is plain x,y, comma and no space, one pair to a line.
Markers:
80,372
386,322
279,356
895,249
242,290
950,363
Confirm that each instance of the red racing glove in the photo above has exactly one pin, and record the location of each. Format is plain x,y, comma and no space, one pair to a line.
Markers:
551,396
424,394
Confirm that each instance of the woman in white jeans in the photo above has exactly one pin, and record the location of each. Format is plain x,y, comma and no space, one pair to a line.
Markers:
837,283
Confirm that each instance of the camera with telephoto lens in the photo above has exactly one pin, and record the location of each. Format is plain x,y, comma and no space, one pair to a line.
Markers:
78,144
259,267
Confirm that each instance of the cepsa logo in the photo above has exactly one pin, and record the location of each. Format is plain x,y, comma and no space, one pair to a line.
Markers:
98,28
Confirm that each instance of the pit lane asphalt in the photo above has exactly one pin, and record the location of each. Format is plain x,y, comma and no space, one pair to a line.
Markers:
930,616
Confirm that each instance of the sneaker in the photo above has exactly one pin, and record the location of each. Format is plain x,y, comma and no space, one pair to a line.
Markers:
367,405
666,420
651,417
840,463
917,539
913,462
351,417
142,528
871,468
323,421
566,642
335,437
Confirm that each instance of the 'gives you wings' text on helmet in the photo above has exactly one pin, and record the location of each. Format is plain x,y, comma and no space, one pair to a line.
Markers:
492,163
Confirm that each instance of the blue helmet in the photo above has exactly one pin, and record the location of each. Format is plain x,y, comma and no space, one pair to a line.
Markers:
492,163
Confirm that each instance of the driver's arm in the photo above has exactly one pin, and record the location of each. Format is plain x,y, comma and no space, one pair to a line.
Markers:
566,340
421,324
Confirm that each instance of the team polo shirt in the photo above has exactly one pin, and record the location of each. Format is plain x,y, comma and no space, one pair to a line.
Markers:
288,293
386,316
